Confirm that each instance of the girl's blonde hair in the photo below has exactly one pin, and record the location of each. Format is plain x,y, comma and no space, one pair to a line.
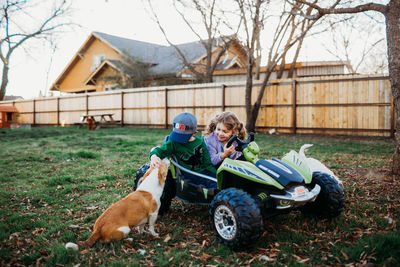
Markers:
231,122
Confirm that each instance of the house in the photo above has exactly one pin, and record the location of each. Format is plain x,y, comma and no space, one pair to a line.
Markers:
301,69
101,54
13,98
7,116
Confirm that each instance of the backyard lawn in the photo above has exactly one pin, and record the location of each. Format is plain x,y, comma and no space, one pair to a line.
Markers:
55,182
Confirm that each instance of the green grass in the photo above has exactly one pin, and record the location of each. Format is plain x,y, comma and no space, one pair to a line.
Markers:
55,182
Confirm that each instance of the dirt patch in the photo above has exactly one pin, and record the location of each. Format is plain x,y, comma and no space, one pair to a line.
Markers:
379,175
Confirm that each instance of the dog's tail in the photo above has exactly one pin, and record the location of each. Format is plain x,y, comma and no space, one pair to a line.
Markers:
92,239
303,149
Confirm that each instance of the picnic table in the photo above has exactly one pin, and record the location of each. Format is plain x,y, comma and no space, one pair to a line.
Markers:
98,120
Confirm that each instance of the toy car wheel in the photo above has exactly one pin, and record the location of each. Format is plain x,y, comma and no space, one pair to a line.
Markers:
169,191
235,218
330,201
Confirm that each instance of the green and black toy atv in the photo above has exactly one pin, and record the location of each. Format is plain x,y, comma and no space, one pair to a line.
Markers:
251,191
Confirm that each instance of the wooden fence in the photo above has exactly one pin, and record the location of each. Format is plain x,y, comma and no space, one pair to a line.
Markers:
350,105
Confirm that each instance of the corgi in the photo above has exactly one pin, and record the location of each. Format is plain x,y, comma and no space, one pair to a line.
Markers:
316,165
136,209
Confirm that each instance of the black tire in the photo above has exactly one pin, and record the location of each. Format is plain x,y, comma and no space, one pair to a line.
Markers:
139,175
330,201
235,219
169,191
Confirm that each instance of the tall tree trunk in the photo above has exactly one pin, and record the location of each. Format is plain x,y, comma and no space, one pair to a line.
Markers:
393,42
282,67
252,115
250,126
4,82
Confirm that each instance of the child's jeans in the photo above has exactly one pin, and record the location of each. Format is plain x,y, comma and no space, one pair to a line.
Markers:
200,180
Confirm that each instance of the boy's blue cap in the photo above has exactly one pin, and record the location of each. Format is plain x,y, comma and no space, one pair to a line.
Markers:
184,125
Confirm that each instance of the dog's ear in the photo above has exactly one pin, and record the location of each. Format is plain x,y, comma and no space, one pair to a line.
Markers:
147,173
162,172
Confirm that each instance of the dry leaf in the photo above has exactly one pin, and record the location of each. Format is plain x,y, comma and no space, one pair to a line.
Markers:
167,238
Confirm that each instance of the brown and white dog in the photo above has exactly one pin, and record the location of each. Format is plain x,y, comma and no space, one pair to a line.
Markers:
136,209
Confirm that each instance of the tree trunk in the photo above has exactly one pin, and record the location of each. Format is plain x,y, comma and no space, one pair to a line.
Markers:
250,124
392,16
396,155
4,82
253,113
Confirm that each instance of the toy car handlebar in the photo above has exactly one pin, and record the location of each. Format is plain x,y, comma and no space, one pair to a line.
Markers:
240,143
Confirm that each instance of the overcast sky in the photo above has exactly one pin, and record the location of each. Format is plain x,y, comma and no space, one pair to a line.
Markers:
38,69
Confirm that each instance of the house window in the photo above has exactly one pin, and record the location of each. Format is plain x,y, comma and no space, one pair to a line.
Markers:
97,59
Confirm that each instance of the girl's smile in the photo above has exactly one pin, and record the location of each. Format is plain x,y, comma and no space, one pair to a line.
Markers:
223,134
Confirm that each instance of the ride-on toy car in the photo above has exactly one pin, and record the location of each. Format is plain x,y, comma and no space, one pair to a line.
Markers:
251,191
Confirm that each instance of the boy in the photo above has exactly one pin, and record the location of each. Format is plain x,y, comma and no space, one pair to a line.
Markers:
190,151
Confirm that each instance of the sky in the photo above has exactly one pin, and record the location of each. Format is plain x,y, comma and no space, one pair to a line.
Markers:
34,70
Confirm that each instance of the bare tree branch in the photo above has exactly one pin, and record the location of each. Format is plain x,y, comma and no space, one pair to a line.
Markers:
357,9
14,36
211,22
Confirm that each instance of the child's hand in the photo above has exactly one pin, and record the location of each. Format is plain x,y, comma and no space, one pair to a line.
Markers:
154,161
228,151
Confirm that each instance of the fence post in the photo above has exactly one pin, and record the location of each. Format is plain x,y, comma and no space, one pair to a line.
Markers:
166,108
58,111
122,108
223,96
294,105
87,104
34,112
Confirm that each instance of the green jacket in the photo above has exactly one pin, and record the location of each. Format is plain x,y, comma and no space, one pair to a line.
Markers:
194,155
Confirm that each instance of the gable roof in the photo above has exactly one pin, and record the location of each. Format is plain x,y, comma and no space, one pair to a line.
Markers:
165,59
113,63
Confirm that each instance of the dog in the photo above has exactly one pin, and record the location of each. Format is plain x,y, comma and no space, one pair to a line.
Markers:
316,165
91,123
136,209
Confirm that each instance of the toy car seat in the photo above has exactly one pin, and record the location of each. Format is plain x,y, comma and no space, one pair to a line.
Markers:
188,191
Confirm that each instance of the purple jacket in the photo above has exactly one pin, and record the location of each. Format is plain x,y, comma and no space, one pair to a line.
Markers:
216,149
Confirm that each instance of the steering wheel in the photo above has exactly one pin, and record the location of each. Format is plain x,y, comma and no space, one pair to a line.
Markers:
240,143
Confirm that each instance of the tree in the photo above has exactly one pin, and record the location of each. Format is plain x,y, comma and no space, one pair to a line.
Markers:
391,12
130,72
286,30
359,40
17,27
211,21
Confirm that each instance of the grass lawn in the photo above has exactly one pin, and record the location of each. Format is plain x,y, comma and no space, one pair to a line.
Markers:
55,182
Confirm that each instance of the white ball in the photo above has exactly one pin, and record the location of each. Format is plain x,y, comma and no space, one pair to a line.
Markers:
72,246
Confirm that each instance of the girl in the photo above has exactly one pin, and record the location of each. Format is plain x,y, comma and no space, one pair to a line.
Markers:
217,135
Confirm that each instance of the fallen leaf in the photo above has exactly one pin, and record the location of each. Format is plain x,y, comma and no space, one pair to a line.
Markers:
346,257
168,238
205,257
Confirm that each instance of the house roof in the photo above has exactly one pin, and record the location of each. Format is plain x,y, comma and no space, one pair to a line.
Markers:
8,109
13,97
165,59
298,65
